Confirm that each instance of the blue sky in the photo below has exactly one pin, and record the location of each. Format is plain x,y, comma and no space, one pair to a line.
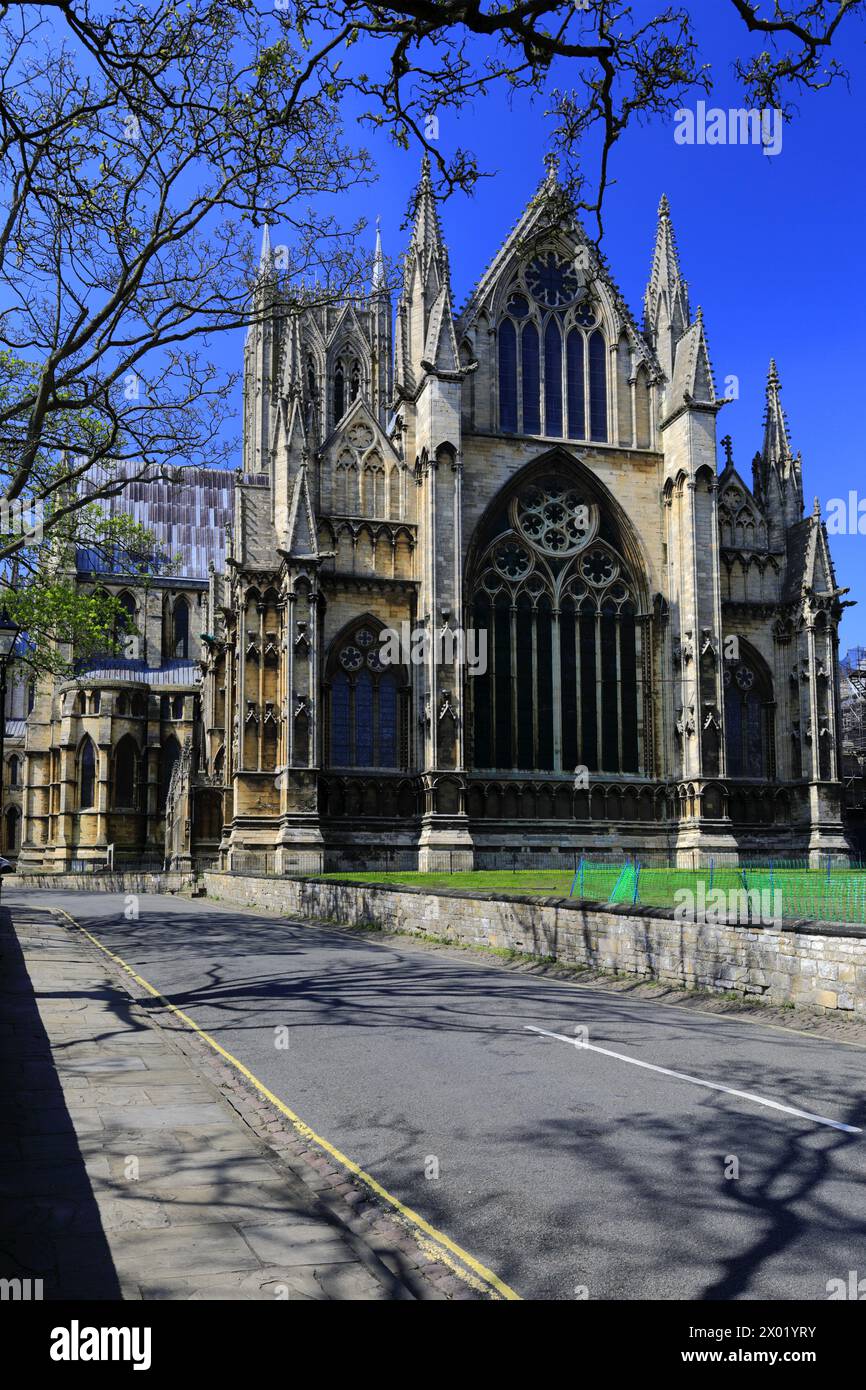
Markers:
772,248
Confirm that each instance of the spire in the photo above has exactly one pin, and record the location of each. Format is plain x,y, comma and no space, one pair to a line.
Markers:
666,301
777,446
427,240
425,339
779,475
378,281
265,256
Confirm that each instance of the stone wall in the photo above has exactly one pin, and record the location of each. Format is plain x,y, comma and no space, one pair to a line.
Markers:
102,883
800,963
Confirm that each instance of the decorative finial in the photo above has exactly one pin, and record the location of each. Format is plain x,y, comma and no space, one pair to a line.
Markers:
699,315
664,206
773,376
728,446
816,510
551,164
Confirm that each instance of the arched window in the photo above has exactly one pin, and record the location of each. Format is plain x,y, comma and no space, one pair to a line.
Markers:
552,354
346,501
339,390
508,376
553,378
12,830
368,704
560,607
125,783
168,757
574,377
531,379
180,628
374,485
749,731
86,775
598,386
14,770
125,625
31,696
104,616
347,384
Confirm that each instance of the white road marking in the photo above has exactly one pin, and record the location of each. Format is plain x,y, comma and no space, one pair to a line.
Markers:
695,1080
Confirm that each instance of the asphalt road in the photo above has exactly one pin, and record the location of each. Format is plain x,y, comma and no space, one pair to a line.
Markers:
561,1168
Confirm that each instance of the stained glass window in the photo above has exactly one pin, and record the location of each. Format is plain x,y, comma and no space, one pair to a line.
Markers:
531,380
367,712
387,722
340,733
549,311
508,376
364,720
598,386
747,722
552,378
517,306
574,376
557,693
552,281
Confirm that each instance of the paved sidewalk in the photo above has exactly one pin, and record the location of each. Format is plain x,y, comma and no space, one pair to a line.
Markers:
125,1172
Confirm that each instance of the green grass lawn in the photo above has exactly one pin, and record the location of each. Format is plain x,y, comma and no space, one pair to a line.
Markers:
839,896
528,881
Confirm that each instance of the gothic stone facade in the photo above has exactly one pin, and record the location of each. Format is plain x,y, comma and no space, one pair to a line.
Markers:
541,473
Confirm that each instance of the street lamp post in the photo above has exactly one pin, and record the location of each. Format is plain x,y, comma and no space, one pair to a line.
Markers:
8,637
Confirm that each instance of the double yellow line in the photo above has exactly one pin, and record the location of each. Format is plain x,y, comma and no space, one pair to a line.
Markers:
432,1241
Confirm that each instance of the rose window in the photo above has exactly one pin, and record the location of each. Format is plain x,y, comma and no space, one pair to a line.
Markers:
598,567
552,281
512,560
557,520
351,659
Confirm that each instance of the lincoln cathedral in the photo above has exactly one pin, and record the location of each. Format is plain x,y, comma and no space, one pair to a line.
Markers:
538,469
